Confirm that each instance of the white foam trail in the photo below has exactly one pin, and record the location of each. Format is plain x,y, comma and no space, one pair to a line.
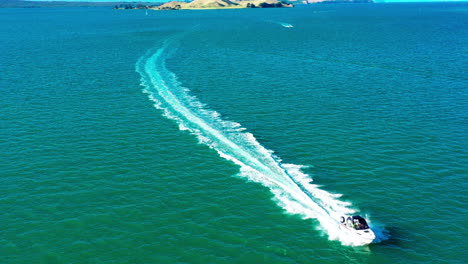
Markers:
286,25
291,187
283,24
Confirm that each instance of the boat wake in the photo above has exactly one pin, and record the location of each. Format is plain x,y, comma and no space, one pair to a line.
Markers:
286,25
283,24
292,188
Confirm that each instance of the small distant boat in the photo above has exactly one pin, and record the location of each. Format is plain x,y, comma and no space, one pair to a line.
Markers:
357,227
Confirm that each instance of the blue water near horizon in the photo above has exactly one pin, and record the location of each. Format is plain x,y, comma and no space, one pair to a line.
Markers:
233,136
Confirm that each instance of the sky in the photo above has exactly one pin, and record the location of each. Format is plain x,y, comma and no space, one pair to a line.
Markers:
389,1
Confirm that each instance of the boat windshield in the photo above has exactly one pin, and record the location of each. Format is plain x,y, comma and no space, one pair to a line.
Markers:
360,223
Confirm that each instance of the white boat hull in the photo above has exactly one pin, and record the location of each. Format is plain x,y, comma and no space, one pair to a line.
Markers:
361,235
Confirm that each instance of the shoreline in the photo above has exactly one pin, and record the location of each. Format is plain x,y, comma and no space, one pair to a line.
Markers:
222,4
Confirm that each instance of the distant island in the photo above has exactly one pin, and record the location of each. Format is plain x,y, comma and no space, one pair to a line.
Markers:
175,5
337,1
45,4
211,4
231,4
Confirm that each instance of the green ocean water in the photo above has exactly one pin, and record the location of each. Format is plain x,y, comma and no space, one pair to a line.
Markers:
182,137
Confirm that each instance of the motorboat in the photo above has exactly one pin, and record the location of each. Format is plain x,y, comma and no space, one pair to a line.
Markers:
357,227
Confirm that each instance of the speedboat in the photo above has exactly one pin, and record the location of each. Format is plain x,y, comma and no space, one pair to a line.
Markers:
357,227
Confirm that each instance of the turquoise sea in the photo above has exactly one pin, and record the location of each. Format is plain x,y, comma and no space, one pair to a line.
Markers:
233,136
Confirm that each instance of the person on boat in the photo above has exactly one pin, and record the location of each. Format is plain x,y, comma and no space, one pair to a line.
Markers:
357,225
